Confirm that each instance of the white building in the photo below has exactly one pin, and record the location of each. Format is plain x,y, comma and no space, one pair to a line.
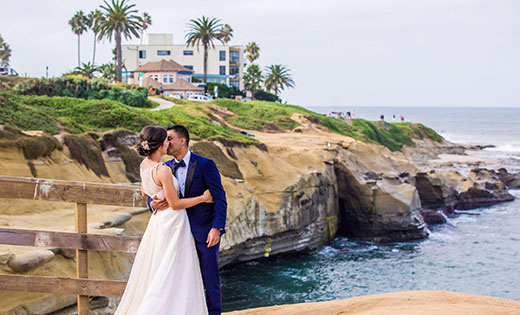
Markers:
225,63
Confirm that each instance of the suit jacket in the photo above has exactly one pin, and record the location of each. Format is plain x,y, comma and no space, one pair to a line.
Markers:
203,174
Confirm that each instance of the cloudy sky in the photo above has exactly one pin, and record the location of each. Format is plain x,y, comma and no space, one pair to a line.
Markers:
343,52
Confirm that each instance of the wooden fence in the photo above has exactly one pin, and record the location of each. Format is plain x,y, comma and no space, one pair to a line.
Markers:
81,193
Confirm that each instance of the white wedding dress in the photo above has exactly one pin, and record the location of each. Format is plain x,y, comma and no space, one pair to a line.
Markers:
165,277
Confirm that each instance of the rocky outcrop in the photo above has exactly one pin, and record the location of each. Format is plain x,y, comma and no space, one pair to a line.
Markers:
448,190
30,260
305,220
119,144
435,194
511,180
381,209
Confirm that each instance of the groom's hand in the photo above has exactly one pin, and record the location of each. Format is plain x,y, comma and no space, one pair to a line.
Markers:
159,204
213,237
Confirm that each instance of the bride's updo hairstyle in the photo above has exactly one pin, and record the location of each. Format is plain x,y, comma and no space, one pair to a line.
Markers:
150,139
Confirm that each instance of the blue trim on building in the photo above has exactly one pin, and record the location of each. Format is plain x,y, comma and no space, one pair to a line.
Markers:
214,76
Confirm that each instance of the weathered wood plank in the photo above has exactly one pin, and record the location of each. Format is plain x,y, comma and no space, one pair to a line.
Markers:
82,256
70,191
100,242
62,285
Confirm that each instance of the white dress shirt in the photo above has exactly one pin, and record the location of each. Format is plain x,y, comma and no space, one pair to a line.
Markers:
182,172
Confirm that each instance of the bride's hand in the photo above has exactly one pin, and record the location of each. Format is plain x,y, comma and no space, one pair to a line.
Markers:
207,196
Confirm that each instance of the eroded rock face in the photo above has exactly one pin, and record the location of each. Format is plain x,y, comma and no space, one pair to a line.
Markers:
511,180
305,220
451,190
383,210
435,195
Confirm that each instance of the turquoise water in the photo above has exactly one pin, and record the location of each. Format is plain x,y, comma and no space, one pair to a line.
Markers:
476,252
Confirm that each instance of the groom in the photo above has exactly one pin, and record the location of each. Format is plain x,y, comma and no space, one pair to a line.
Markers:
195,174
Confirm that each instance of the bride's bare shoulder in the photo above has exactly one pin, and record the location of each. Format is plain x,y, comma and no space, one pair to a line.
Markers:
164,170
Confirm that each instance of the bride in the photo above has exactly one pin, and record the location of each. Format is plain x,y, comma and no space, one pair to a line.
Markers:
165,277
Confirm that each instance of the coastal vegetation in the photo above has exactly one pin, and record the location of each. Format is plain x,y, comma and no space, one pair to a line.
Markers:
261,115
86,89
76,115
78,105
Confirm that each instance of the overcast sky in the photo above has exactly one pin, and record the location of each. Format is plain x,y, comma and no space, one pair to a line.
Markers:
343,52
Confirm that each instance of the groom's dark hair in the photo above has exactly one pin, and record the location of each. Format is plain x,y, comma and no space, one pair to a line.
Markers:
181,131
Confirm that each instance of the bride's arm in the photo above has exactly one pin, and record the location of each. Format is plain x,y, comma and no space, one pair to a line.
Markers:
165,178
142,192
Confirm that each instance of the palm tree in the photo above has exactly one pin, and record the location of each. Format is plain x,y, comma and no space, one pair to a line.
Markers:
145,21
278,78
252,78
95,22
121,20
204,31
226,33
5,52
253,51
87,70
107,71
78,24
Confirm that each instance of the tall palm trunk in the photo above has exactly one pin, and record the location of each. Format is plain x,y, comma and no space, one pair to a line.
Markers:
205,62
94,51
118,55
79,59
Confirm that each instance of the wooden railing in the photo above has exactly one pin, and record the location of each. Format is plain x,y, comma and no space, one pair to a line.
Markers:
81,193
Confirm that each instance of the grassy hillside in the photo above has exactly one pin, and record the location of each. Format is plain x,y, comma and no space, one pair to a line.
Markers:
259,115
76,116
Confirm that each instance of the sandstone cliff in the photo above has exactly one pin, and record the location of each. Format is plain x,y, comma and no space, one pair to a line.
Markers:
291,194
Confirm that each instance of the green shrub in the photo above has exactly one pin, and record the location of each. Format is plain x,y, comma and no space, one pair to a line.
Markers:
85,89
224,91
262,95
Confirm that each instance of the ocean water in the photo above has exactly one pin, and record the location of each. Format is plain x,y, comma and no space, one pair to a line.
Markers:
476,252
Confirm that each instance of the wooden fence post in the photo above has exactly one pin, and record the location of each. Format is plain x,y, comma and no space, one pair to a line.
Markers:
82,256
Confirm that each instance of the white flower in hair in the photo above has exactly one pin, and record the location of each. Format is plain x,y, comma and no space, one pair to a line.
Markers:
145,146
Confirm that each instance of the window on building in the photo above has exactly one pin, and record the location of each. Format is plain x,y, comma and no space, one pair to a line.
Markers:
188,53
170,78
189,67
234,70
222,70
235,57
222,55
235,84
165,78
188,79
142,54
163,53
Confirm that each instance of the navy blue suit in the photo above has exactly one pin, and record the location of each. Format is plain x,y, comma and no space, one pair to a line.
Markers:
203,174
